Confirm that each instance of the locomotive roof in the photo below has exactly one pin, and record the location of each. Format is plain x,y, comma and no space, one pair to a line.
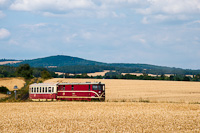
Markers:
76,83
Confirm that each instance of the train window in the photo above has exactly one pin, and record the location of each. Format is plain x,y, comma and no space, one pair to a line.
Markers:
89,88
37,89
100,87
63,87
42,89
72,87
52,89
49,89
34,89
94,87
45,89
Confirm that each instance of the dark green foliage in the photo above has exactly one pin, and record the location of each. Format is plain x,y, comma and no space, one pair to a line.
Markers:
24,70
45,75
7,71
3,89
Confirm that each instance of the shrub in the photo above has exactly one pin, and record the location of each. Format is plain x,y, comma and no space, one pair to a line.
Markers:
3,89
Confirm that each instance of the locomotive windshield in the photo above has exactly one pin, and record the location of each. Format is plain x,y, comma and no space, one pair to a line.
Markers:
97,87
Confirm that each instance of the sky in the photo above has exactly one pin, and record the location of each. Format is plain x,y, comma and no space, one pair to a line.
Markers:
158,32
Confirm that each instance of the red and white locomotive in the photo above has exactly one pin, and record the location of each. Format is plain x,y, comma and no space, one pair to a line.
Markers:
67,91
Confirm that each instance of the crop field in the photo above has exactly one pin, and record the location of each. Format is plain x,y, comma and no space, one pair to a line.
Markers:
3,96
130,106
146,90
11,82
99,117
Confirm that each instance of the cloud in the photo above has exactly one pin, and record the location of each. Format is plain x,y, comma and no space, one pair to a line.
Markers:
4,33
50,5
33,26
2,2
169,10
171,7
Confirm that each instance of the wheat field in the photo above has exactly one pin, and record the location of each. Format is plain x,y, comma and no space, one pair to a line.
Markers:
11,82
168,110
99,117
145,90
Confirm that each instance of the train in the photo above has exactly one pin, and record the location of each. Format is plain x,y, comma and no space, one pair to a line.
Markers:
86,91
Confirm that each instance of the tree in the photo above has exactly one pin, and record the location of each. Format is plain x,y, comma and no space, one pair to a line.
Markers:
45,75
24,70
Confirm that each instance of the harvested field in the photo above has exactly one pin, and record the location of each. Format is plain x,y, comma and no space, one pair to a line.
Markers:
3,95
9,62
98,73
146,90
99,117
11,82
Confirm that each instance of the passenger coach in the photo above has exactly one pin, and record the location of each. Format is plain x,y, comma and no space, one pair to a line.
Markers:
43,92
67,91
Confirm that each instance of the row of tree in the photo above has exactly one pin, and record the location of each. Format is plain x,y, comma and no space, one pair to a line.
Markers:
24,70
117,75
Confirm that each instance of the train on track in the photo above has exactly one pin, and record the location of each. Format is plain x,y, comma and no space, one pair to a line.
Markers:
67,91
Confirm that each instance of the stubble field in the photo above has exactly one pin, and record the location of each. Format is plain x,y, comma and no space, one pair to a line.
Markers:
168,110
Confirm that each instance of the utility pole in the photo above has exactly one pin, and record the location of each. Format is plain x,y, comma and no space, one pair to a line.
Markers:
15,88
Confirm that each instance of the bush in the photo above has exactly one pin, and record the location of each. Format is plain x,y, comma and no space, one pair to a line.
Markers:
3,89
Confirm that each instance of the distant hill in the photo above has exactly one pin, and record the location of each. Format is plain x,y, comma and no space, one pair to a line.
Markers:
69,64
59,61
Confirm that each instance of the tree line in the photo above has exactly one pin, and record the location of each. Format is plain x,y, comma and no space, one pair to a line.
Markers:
24,70
144,76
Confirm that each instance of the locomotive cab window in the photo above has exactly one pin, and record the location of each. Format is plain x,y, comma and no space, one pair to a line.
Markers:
100,87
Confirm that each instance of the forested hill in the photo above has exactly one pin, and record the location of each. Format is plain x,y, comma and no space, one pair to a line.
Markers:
59,61
69,64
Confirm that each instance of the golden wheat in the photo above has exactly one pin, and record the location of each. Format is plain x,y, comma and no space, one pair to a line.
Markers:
99,117
153,91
